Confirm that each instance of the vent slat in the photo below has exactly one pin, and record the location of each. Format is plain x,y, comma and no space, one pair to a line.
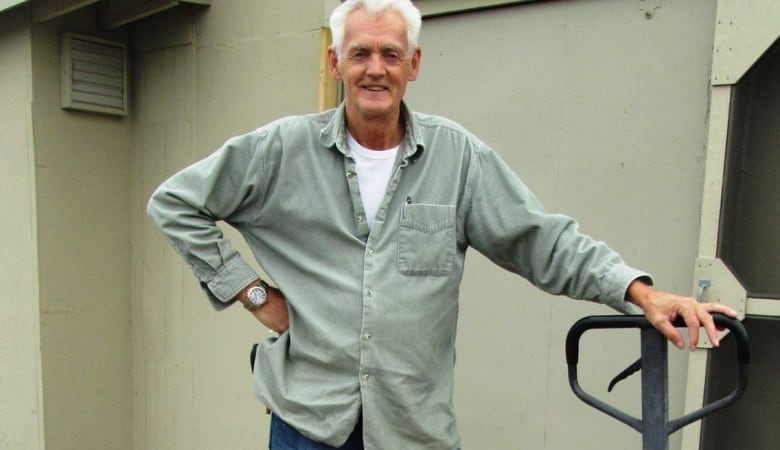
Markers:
97,79
100,90
96,58
82,66
94,75
97,100
99,49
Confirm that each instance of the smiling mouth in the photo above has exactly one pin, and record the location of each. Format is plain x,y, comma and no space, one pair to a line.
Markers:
374,88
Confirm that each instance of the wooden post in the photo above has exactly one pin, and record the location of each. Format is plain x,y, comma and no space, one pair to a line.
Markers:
329,87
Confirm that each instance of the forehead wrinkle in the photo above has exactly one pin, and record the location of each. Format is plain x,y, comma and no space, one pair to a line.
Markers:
357,47
392,47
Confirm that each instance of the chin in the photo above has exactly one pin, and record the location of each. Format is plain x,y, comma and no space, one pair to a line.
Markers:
373,109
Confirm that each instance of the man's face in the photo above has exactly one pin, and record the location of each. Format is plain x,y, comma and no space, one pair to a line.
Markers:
375,65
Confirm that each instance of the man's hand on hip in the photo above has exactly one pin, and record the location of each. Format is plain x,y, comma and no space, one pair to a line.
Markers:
271,310
274,314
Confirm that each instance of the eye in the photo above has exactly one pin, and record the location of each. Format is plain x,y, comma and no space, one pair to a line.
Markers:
359,56
392,57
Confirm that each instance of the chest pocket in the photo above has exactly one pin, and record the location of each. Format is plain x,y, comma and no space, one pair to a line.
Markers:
426,240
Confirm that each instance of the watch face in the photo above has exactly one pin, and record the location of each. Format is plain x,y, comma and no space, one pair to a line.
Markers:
256,295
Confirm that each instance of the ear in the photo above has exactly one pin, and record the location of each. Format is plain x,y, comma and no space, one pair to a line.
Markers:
415,62
333,64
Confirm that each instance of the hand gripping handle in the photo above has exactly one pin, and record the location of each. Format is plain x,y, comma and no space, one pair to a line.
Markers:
640,322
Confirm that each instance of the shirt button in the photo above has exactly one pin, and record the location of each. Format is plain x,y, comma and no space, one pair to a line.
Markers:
370,253
359,218
370,293
366,377
350,174
367,337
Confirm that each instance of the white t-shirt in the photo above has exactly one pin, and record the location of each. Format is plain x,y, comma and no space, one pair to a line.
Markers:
374,168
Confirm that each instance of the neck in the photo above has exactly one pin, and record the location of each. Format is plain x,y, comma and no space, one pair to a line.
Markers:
378,133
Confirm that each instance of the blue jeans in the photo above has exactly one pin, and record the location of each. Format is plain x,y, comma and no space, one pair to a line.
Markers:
285,437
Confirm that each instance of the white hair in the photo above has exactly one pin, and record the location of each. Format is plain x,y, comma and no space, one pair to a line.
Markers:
408,11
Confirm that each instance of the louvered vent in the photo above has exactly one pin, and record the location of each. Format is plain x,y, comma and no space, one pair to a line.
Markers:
94,74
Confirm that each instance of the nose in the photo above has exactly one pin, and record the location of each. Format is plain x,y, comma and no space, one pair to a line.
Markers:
376,66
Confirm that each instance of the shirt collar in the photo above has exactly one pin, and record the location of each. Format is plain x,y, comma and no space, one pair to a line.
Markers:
334,134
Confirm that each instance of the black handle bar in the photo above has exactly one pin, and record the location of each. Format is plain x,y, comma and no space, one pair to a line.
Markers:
640,322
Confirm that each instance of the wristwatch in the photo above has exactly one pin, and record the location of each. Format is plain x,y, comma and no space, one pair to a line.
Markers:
256,296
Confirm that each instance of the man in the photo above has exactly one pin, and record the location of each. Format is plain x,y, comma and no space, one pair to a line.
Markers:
362,216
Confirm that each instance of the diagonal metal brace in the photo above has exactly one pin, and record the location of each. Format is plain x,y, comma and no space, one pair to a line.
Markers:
635,367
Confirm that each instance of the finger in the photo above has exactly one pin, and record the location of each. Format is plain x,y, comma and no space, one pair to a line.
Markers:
693,337
693,323
723,309
709,326
671,333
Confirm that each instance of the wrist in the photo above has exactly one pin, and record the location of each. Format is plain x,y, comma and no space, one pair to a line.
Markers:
639,293
254,296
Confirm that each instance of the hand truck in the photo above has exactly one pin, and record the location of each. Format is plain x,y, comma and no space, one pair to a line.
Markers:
654,425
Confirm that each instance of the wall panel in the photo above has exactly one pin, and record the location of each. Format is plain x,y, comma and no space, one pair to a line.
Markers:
600,106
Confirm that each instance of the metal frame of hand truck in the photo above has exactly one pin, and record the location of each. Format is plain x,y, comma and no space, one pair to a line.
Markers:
655,425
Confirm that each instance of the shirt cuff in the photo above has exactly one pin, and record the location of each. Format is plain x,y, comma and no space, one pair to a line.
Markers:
223,288
618,280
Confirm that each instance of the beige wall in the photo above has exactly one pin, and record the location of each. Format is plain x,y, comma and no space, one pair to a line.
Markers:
20,389
602,110
83,223
202,76
610,104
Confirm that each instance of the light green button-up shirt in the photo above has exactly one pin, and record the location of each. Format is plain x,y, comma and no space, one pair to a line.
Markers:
372,311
